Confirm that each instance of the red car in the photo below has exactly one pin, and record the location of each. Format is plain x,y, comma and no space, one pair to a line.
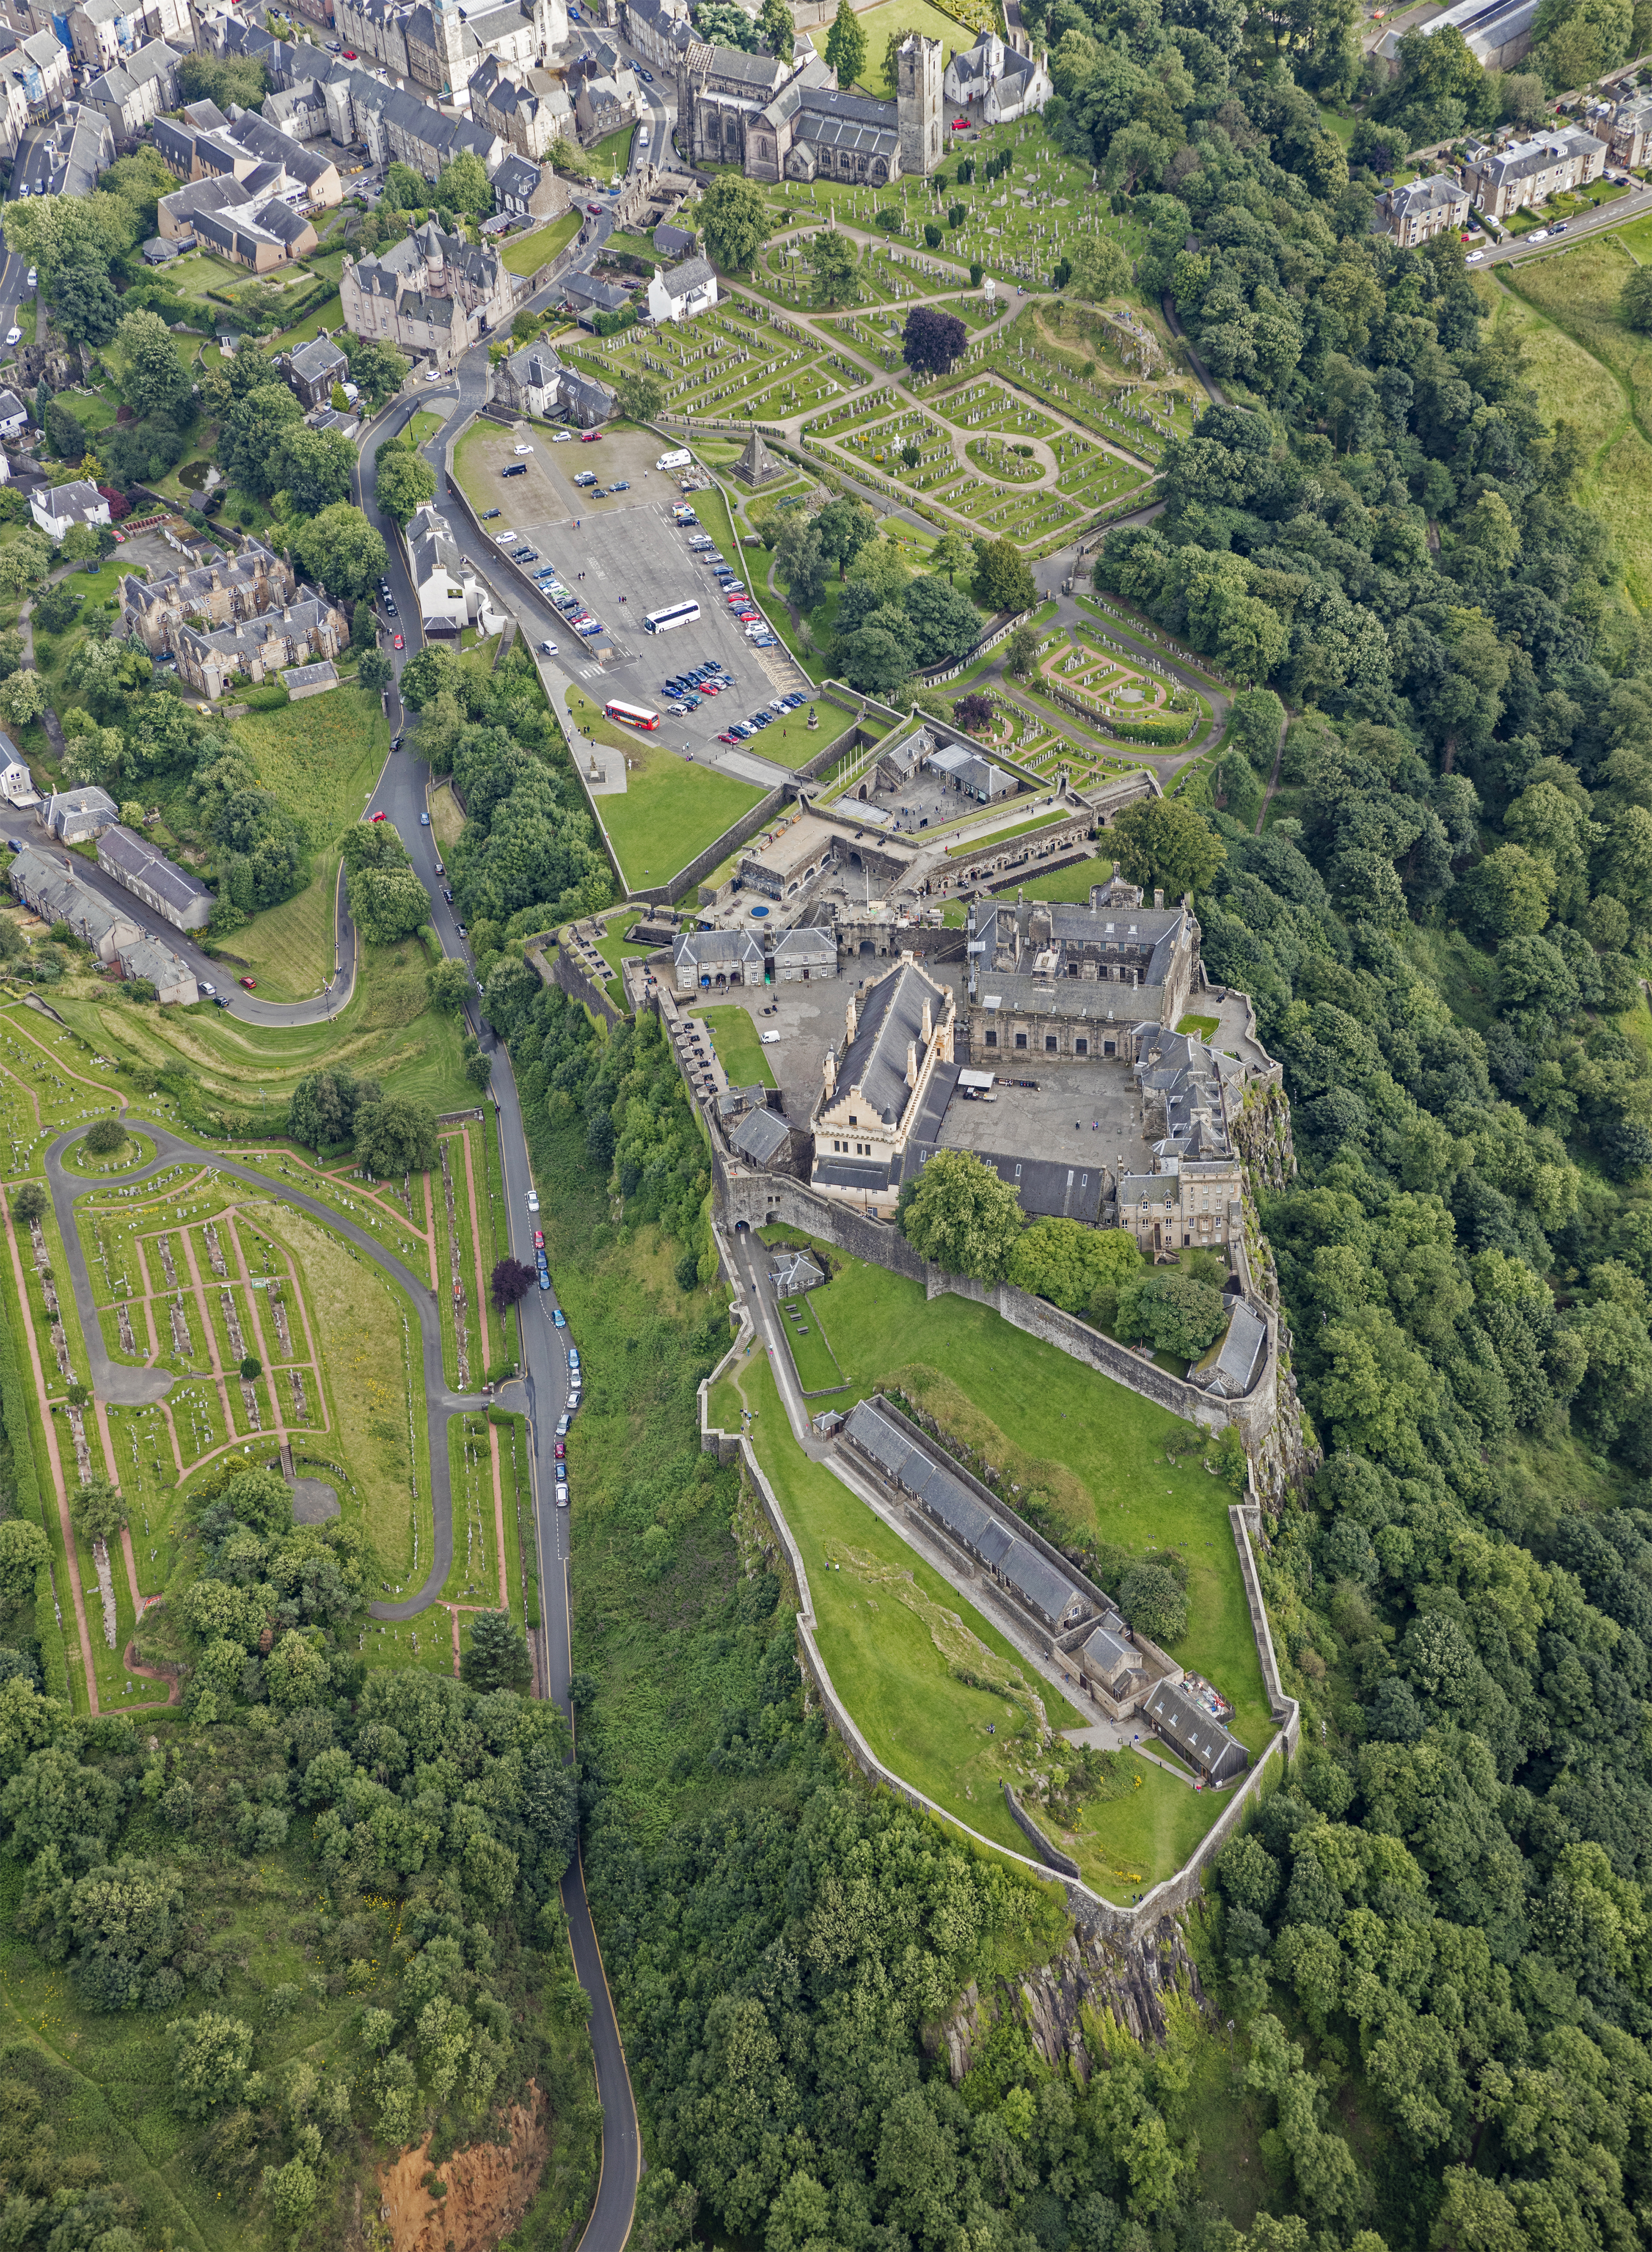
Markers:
349,58
399,643
379,817
251,984
538,1239
960,125
562,1450
589,437
727,738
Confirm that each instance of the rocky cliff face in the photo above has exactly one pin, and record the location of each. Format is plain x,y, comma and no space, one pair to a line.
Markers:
486,2189
1128,1980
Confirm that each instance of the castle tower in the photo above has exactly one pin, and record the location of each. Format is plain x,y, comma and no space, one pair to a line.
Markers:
918,103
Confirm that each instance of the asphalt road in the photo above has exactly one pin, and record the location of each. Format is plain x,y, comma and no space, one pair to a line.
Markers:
403,793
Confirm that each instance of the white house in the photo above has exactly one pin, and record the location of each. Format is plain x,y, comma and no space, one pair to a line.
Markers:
17,784
451,596
14,415
56,510
683,291
1007,85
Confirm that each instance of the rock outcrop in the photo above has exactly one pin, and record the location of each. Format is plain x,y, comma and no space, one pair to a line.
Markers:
487,2189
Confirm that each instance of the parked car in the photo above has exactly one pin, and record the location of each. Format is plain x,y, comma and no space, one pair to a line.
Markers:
515,470
14,335
488,514
562,1495
562,437
545,1280
574,1356
447,894
562,1421
424,821
210,991
399,643
589,437
538,1239
562,1450
250,984
379,817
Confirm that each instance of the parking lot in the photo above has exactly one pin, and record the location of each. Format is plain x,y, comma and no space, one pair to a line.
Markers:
624,557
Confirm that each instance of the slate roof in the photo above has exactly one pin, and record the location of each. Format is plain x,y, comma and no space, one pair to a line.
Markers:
891,1018
1230,1367
148,957
693,273
807,942
319,358
73,502
130,857
1107,1656
716,950
1191,1730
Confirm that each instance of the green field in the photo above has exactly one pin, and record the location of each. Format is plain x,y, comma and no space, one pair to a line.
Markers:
670,811
810,1348
738,1050
526,254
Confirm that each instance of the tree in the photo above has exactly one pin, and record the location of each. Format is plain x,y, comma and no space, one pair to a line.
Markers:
1099,268
1172,1310
1634,299
375,671
339,549
1257,718
387,904
321,1111
395,1137
498,1657
1155,1602
950,554
105,1136
1003,579
722,23
877,658
846,44
1069,1264
734,218
98,1508
376,369
844,526
802,559
65,433
973,712
1136,153
1021,652
210,2057
932,341
28,1203
1163,842
23,1552
947,622
403,481
512,1279
640,395
317,467
832,260
157,380
1508,895
238,79
86,302
252,438
52,231
290,2190
405,190
22,698
774,22
958,1213
463,186
448,984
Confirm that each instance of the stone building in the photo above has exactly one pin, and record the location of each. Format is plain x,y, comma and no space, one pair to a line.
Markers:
441,45
525,189
897,1036
433,294
1630,132
218,590
683,291
133,91
1522,174
37,75
711,961
1190,1195
396,127
1078,981
102,33
790,120
528,110
1004,82
150,876
1421,209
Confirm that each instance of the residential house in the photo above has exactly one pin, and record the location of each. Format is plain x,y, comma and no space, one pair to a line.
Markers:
261,236
683,291
132,93
897,1037
808,953
302,680
75,816
313,370
604,104
528,110
1630,132
80,148
55,509
17,784
763,1139
14,103
450,594
14,415
583,401
395,127
298,111
58,893
795,1271
104,32
1112,1665
219,588
586,295
527,190
171,976
1421,209
150,876
675,241
439,46
1522,174
1195,1735
38,65
204,116
432,293
175,214
1004,83
529,381
659,29
302,631
712,961
312,170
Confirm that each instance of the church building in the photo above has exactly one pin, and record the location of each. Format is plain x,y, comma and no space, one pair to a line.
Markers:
781,121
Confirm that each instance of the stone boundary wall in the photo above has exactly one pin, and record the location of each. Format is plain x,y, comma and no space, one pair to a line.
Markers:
1047,1852
752,1197
566,973
1086,1907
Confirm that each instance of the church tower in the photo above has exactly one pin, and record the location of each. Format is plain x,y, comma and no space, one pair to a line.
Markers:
918,64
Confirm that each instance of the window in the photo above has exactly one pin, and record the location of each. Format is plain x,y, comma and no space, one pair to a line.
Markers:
1081,1046
992,1040
1049,1044
1021,1039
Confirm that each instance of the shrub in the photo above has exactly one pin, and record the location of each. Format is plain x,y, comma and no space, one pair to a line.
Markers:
1153,1602
104,1137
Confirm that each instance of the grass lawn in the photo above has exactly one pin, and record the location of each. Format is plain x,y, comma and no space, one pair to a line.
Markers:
812,1355
1093,1449
738,1049
321,757
1203,1026
526,254
446,819
425,425
325,316
983,838
791,740
604,158
905,16
90,409
614,950
669,810
290,948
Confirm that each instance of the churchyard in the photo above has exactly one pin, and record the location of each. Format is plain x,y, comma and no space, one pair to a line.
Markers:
273,1329
726,369
1095,1463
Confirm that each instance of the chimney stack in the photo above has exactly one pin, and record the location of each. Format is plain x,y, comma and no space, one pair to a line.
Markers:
851,1020
1158,898
911,1063
929,1022
830,1070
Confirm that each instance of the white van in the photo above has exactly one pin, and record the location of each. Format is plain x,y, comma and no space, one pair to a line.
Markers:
680,460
